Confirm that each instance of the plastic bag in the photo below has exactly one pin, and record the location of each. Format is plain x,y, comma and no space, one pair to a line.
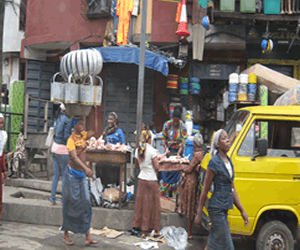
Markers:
96,189
175,237
50,136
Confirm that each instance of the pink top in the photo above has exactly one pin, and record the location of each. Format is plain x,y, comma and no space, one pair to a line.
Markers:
59,149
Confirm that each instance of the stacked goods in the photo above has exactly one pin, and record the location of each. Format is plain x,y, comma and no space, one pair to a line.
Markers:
184,86
94,144
252,87
78,69
195,86
243,87
233,87
172,84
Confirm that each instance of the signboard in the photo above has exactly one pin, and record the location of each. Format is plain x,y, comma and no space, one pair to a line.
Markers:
212,71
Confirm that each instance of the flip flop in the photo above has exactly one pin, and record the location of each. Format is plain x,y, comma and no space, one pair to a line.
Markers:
68,242
91,242
190,238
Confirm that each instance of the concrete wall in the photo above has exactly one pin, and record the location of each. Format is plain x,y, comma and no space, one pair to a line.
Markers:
52,21
10,72
12,36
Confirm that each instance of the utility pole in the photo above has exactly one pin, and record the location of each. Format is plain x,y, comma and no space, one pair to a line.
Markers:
140,92
2,7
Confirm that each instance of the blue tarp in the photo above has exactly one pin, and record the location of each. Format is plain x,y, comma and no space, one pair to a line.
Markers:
132,55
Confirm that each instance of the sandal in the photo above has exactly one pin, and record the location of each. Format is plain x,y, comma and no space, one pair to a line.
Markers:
68,242
89,242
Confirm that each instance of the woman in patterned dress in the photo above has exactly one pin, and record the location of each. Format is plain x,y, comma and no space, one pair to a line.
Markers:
189,185
174,136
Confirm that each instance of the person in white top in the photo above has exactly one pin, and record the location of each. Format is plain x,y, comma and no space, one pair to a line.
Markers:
147,204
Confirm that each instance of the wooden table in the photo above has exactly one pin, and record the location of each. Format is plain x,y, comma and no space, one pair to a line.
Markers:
169,166
117,158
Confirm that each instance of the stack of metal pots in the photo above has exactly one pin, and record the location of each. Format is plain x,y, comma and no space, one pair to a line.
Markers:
79,70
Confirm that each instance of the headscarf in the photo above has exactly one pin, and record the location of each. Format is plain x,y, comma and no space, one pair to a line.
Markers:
144,138
74,121
3,137
198,139
108,130
215,141
62,107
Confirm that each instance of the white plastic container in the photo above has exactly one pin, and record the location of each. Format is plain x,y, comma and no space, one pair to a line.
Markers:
234,78
243,78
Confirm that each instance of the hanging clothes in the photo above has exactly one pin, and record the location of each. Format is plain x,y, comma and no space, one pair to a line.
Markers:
113,12
124,9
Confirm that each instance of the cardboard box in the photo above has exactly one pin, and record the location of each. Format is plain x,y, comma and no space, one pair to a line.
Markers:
167,205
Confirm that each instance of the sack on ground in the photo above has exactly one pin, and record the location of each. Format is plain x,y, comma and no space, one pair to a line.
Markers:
50,136
111,194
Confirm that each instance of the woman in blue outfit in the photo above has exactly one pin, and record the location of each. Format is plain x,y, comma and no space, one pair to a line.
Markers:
112,134
59,151
220,171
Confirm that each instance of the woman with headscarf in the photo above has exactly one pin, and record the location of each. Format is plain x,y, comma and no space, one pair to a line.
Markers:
59,151
77,209
174,135
3,177
112,134
189,185
220,171
147,204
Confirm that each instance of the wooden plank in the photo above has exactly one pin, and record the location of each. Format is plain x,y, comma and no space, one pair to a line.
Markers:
110,157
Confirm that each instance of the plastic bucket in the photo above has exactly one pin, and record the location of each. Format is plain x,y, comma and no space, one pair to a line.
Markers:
195,79
184,91
234,78
57,90
184,80
252,78
98,92
242,97
243,78
232,97
86,93
251,97
71,91
172,82
194,91
251,88
243,88
233,87
184,86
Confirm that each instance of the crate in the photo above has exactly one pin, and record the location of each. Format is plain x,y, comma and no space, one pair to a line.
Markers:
272,6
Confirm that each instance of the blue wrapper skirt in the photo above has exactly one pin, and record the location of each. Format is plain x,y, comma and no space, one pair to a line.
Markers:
219,236
77,209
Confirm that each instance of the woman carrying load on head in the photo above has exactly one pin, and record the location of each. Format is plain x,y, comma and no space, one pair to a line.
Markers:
3,176
220,171
77,210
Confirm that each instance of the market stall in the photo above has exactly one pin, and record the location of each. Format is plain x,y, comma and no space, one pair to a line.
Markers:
116,158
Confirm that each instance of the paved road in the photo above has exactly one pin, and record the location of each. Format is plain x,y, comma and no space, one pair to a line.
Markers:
15,236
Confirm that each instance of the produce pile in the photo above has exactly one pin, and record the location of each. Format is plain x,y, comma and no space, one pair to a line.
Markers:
94,144
173,159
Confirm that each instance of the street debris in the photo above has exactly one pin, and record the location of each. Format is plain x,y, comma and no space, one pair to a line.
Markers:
109,233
